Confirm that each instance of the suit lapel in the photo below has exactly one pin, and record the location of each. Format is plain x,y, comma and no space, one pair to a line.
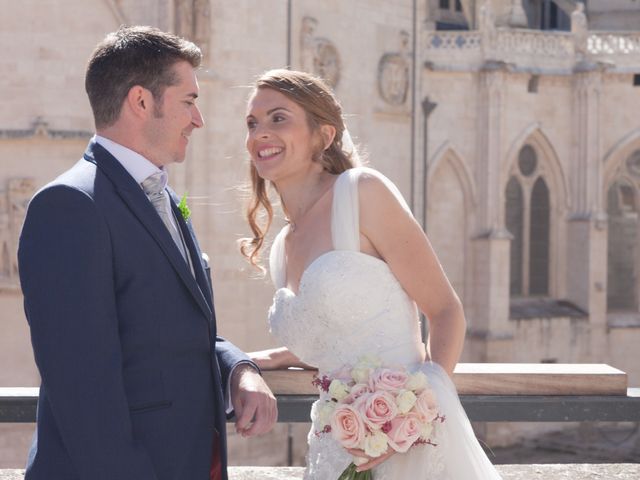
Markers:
137,201
193,249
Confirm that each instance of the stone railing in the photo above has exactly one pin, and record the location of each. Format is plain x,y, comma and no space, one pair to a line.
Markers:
619,48
530,50
534,49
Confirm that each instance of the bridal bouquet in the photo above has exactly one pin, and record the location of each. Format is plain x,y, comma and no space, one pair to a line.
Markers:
373,408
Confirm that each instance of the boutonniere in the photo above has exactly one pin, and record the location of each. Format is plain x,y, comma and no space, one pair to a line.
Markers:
184,208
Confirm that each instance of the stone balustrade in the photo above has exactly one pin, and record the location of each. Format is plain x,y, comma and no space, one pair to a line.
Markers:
531,50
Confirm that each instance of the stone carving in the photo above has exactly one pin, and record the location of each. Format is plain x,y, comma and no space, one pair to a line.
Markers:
487,27
580,31
517,15
318,55
393,73
13,207
192,21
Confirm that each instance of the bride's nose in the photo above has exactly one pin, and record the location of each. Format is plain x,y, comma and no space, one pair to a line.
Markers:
261,132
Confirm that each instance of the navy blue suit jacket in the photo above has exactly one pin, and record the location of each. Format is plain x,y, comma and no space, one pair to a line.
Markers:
124,336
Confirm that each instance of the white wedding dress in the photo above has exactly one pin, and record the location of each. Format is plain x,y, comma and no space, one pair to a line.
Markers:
348,305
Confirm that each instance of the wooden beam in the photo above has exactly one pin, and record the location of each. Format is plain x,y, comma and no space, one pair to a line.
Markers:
494,379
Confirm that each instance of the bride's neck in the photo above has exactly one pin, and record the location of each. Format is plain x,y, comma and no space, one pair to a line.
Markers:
300,194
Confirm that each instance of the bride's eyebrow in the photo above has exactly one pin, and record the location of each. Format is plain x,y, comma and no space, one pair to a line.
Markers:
269,112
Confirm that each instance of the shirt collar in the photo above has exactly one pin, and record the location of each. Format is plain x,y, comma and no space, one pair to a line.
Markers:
135,164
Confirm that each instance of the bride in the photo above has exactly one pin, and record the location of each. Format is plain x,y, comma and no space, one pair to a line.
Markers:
351,269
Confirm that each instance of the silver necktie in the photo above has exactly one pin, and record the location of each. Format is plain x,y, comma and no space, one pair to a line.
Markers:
154,187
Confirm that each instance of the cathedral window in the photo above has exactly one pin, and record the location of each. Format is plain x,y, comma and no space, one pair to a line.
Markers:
622,239
528,218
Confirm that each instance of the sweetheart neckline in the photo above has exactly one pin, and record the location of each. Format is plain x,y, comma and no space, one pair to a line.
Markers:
322,255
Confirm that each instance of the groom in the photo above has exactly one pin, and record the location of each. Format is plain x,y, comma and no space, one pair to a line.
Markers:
135,380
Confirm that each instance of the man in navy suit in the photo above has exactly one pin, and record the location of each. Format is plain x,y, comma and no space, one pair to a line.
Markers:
135,380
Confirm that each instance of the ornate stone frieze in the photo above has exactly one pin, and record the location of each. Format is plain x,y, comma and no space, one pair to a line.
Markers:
40,128
13,207
318,55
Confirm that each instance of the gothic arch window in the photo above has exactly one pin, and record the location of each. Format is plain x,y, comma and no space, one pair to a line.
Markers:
622,252
539,239
528,219
514,222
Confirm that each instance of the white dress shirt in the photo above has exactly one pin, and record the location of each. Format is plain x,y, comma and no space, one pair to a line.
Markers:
136,165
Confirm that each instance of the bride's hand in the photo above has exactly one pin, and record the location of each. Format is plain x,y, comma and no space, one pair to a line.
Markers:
276,359
264,359
369,462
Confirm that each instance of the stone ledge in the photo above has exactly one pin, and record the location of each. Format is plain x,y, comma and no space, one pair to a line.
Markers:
613,471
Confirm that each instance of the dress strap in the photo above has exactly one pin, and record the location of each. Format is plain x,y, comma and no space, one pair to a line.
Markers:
345,213
277,266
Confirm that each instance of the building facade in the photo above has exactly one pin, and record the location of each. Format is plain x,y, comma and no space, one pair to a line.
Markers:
511,127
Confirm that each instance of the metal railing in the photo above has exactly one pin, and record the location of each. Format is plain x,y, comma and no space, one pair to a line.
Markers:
488,392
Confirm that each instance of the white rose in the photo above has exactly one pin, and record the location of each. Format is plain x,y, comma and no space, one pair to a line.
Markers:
427,429
405,401
360,373
375,444
338,389
417,382
325,412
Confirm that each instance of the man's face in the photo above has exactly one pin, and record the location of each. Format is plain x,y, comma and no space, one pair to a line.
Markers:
175,116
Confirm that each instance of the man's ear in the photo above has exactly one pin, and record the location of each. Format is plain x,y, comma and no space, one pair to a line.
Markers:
139,101
327,133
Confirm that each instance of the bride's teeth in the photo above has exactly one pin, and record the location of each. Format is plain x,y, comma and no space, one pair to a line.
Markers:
268,152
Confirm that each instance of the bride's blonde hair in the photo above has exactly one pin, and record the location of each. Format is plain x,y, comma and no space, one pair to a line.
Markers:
321,108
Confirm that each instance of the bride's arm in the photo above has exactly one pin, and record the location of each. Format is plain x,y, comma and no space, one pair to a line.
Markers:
277,358
392,233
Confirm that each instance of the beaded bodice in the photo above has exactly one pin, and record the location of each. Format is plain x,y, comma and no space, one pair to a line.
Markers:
348,305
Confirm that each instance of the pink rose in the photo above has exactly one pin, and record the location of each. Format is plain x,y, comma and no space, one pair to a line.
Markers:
404,431
377,409
426,406
347,427
356,392
389,380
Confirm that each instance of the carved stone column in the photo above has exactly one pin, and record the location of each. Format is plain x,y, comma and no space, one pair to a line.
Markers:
490,332
192,19
587,233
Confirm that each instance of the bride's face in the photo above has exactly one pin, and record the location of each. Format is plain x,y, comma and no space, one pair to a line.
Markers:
279,138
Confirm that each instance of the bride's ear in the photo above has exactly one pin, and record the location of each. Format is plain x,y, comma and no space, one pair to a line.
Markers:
327,133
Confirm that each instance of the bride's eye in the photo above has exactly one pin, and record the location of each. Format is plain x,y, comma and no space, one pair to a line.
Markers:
251,124
277,118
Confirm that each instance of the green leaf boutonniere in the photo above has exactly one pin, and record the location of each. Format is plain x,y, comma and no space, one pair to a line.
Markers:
184,208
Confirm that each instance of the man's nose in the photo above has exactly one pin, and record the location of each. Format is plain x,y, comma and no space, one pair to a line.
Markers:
196,118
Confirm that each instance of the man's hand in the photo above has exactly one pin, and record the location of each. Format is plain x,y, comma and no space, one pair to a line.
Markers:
255,406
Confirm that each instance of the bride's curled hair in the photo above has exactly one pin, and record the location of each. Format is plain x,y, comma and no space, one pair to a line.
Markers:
321,108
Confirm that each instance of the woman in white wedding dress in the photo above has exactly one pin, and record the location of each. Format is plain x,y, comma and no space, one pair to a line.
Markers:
351,269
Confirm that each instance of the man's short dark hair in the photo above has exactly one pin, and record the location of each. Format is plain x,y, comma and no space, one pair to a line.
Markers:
132,56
